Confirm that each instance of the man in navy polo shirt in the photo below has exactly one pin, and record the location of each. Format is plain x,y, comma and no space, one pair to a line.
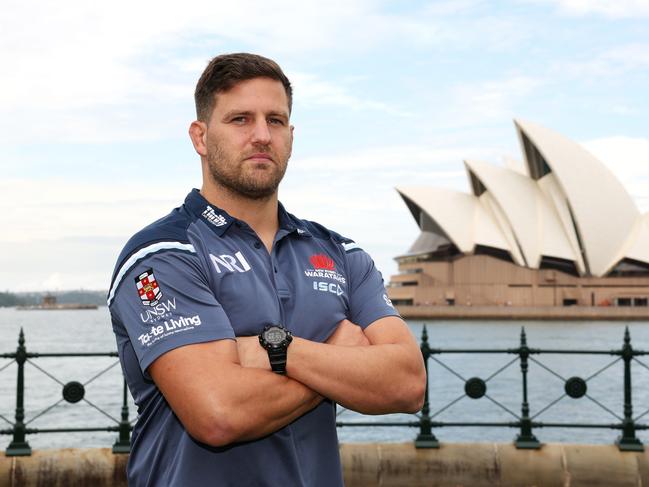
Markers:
238,325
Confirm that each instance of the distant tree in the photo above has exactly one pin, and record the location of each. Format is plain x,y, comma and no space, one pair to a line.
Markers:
9,299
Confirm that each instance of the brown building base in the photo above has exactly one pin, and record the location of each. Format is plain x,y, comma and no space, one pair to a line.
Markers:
547,313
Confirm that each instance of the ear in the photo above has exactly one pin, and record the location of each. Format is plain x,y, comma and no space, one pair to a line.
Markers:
198,134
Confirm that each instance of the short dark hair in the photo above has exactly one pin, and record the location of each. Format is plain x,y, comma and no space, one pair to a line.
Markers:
225,71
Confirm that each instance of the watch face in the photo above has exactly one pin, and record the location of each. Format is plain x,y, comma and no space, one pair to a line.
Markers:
275,335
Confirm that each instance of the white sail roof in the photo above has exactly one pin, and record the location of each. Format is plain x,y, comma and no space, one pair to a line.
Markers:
638,243
598,203
459,215
567,205
530,218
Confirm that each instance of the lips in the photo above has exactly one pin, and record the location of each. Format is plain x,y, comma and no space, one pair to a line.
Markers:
261,156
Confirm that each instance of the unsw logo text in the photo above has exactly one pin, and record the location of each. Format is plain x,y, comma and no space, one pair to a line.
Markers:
156,313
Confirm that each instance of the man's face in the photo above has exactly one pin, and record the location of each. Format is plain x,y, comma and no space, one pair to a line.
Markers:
249,138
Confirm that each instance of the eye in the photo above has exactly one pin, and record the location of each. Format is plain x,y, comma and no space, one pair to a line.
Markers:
276,121
239,120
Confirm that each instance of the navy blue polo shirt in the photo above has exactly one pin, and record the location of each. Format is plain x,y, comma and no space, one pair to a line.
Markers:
198,275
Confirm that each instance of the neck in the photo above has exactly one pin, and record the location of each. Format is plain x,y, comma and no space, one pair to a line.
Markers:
259,214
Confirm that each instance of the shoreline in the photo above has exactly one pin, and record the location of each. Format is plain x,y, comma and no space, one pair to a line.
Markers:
547,313
55,307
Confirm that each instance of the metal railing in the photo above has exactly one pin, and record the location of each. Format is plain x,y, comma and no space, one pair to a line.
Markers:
474,388
72,392
574,387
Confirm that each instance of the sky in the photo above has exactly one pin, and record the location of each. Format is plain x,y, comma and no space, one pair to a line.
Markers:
96,99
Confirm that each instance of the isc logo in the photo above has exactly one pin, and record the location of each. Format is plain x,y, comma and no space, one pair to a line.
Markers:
328,287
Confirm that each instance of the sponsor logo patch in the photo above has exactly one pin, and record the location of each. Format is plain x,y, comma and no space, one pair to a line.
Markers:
213,217
169,327
388,301
324,267
230,263
328,287
322,261
148,289
159,311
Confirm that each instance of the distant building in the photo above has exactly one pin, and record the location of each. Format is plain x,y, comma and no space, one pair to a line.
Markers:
561,230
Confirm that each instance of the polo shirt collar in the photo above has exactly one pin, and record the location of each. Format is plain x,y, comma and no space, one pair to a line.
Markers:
215,218
291,224
219,220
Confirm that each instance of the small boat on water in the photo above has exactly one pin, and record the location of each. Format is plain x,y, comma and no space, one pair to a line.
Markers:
49,303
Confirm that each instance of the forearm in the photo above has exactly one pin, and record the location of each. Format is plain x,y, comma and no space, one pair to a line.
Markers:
220,401
374,379
265,402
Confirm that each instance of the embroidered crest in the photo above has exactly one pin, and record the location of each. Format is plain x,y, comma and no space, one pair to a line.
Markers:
148,289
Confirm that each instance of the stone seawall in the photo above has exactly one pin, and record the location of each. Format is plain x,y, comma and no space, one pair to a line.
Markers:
382,464
559,313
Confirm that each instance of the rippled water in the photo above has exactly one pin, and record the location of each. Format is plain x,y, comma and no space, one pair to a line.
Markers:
90,331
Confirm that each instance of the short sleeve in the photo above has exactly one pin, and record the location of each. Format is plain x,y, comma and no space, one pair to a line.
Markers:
164,302
368,298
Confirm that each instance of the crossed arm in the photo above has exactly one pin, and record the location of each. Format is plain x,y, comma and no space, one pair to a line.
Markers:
224,391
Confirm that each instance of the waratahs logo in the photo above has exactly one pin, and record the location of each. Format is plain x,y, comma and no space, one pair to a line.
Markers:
322,261
323,267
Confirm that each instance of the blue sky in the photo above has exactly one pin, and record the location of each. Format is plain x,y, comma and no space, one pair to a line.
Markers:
96,100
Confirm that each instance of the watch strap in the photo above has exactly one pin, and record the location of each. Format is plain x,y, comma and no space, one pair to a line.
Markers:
277,360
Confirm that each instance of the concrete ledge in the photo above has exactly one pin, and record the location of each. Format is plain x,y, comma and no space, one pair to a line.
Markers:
589,313
78,467
382,464
493,464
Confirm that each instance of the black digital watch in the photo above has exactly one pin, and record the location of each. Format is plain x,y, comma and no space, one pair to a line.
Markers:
276,339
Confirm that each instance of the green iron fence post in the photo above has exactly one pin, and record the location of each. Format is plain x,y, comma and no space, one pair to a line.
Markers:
18,446
628,441
525,439
425,438
123,443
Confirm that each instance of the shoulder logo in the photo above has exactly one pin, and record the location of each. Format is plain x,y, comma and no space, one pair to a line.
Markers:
213,217
148,289
350,246
322,261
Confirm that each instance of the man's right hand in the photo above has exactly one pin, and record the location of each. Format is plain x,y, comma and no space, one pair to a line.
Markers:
348,334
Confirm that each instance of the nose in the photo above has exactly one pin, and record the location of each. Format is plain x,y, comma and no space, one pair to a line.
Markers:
261,132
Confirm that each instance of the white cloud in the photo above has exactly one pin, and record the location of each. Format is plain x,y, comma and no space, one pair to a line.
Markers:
68,234
57,209
616,61
79,71
395,159
479,102
615,9
88,53
310,90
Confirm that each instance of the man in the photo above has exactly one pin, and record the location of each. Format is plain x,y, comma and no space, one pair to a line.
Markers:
239,326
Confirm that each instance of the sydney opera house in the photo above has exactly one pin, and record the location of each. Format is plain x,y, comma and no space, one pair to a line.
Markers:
560,231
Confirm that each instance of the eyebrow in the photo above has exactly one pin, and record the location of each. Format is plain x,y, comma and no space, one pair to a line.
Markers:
233,113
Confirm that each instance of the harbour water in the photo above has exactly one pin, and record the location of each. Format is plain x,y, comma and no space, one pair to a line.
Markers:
66,331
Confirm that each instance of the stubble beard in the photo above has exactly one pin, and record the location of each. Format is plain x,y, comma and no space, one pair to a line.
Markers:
228,172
